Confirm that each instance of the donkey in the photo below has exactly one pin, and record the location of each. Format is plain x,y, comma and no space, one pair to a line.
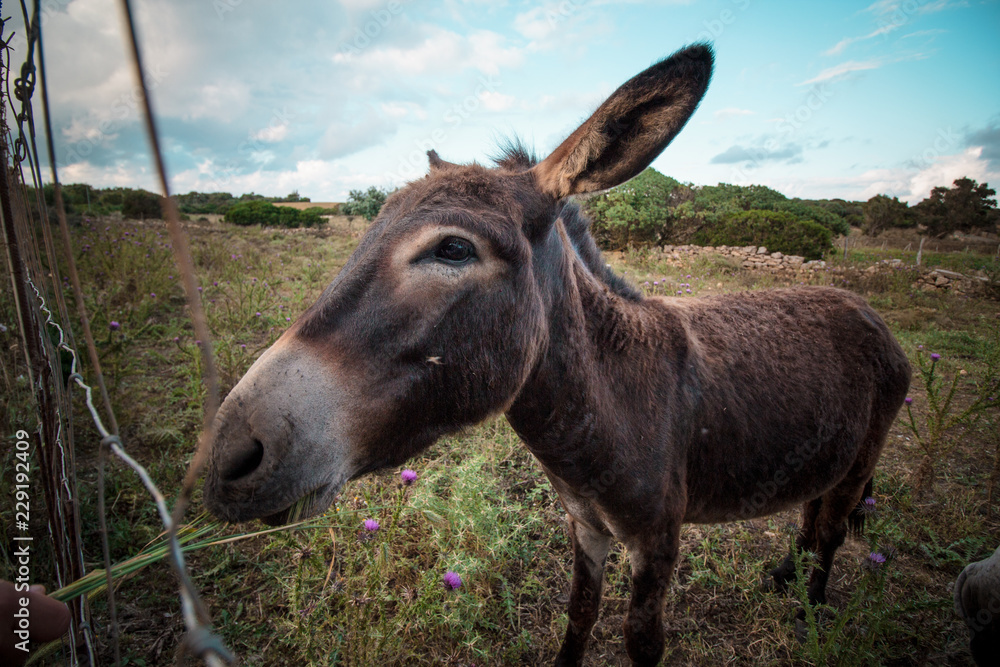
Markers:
480,291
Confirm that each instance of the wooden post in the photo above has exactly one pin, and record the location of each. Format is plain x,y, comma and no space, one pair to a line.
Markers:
920,250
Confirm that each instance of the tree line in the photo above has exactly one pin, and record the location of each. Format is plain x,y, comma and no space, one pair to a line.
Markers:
966,206
654,210
650,210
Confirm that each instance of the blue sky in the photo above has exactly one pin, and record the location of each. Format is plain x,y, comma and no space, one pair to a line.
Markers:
815,99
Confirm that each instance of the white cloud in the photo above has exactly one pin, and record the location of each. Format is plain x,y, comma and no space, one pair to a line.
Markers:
441,52
946,169
323,180
271,133
847,41
840,71
910,184
494,101
730,112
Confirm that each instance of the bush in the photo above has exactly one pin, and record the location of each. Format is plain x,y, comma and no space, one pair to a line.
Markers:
320,211
366,204
806,211
141,204
636,213
881,212
265,213
777,230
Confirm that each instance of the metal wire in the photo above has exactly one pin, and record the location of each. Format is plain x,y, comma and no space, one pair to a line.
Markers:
199,640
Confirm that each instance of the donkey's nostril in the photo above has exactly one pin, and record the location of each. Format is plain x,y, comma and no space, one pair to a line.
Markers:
245,461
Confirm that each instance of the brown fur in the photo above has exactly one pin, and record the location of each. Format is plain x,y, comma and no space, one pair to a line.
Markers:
644,413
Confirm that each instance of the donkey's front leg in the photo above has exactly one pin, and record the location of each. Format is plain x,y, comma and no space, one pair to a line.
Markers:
590,548
653,557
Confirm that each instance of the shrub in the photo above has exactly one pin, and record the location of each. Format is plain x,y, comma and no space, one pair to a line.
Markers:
881,212
265,213
777,230
366,204
141,204
806,211
635,213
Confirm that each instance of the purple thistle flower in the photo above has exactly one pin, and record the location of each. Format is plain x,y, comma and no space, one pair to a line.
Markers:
152,294
874,561
215,283
177,339
935,356
408,476
452,581
258,313
114,326
908,400
371,525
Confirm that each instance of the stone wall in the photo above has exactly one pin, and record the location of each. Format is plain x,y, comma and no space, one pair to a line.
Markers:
749,257
759,259
940,279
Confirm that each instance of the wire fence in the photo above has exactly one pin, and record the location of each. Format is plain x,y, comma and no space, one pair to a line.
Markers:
53,366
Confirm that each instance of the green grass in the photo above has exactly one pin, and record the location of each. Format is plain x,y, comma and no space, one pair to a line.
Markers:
330,595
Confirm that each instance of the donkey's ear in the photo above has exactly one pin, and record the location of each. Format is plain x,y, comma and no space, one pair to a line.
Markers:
436,162
631,128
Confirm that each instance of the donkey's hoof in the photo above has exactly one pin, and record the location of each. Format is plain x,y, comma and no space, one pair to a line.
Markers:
769,584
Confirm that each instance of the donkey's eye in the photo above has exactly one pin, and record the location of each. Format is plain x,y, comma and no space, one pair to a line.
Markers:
455,250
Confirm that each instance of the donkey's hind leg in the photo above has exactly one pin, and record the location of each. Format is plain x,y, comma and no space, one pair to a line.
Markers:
831,529
784,574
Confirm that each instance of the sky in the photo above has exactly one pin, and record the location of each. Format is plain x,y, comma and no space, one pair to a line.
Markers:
814,99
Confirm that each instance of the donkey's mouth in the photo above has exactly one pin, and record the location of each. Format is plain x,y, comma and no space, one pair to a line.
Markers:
312,503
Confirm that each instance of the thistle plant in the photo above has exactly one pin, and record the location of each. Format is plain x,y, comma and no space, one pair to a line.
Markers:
942,414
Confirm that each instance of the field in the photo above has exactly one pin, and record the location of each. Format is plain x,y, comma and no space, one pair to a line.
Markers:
331,592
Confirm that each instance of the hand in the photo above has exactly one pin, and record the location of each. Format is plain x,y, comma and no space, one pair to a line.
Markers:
46,619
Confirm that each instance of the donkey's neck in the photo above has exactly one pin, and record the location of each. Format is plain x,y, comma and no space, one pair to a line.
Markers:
607,356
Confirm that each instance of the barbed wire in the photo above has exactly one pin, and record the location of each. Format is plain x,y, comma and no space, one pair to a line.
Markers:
205,640
199,640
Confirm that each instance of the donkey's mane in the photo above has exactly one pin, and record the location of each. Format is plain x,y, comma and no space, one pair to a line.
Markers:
578,229
514,155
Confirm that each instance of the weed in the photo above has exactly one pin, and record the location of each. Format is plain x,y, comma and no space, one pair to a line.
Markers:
942,414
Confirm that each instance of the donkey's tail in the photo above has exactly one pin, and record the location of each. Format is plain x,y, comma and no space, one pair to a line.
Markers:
856,519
